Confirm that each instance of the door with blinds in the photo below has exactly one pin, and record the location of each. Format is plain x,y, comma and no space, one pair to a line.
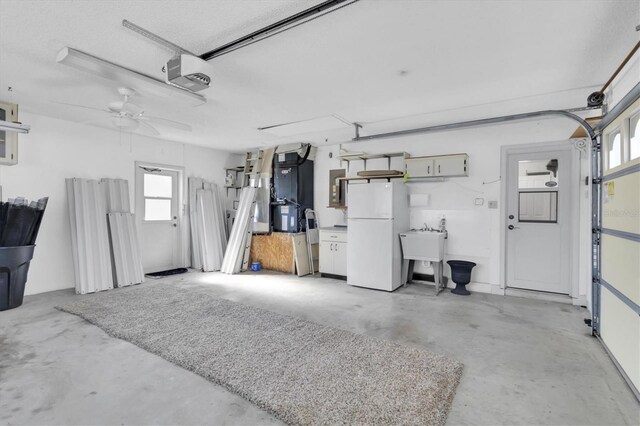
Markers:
617,292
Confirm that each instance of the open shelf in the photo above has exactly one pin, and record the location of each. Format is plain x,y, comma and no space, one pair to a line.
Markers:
369,178
361,156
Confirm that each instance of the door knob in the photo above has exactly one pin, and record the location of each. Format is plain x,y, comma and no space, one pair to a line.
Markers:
175,224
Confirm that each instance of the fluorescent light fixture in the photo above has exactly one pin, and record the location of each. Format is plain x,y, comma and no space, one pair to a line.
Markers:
124,76
9,126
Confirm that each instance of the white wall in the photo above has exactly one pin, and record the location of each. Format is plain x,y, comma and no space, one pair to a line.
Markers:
57,149
474,231
626,80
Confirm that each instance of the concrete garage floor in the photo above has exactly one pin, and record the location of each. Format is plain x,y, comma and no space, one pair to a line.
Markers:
526,361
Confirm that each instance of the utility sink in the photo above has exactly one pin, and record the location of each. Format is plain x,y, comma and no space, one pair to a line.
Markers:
423,245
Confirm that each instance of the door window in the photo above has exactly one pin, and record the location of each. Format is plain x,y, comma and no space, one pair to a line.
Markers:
634,136
614,149
535,205
158,192
538,206
538,174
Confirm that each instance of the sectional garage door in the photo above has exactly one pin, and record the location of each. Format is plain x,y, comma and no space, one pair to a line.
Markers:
617,291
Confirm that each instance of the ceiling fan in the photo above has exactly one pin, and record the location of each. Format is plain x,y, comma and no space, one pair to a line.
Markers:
126,115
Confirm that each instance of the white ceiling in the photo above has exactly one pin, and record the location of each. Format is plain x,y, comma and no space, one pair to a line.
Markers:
373,62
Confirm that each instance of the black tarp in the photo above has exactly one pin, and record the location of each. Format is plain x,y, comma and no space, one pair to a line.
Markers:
20,221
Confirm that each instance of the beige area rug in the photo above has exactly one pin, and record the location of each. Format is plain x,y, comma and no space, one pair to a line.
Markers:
301,372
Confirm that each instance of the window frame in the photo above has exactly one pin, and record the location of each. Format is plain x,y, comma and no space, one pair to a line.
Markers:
145,198
608,143
632,116
624,127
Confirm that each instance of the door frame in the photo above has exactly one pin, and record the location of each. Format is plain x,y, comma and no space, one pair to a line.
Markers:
182,256
574,212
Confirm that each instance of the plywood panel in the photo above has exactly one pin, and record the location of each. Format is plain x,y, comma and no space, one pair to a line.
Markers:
621,265
274,252
620,331
621,209
301,254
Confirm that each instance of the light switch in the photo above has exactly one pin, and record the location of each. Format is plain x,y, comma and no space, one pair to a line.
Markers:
493,204
478,201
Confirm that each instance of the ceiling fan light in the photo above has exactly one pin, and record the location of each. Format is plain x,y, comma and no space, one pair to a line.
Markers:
115,106
125,123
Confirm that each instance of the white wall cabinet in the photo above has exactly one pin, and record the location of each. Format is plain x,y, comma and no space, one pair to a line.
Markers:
333,252
451,165
8,140
420,167
438,166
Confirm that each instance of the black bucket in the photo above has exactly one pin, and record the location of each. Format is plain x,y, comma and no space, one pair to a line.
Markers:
461,275
14,266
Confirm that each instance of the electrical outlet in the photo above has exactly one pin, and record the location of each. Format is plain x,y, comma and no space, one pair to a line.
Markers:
493,204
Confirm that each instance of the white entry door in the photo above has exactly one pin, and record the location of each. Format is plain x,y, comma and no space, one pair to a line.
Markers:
538,251
158,218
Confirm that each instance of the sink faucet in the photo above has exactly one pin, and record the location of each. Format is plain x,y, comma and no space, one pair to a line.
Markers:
443,227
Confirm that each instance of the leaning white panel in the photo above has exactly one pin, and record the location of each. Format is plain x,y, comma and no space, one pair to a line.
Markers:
207,223
235,237
117,193
90,241
125,249
222,214
196,231
234,253
209,245
73,225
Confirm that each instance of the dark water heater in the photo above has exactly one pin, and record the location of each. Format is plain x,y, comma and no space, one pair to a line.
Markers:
293,187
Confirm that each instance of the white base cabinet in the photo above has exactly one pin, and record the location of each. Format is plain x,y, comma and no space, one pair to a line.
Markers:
333,252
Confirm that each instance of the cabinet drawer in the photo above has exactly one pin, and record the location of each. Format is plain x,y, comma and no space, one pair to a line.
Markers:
333,236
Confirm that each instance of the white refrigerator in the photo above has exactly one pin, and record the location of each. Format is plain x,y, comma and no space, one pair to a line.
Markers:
377,213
